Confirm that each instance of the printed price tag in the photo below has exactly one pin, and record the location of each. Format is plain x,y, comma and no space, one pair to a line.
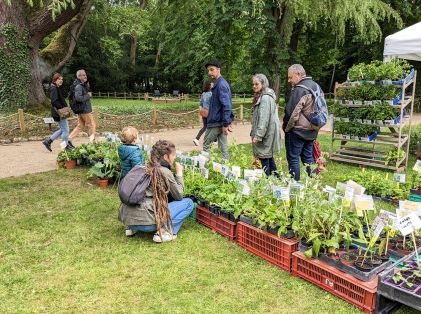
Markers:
259,173
348,196
236,170
202,161
281,193
408,224
399,177
387,217
249,174
363,202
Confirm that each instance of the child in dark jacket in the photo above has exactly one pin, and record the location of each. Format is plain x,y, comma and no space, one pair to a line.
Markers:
129,153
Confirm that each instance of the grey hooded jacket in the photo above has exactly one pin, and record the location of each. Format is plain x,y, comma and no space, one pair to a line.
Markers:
266,127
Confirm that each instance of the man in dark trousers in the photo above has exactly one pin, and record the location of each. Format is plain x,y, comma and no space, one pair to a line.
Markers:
220,110
299,132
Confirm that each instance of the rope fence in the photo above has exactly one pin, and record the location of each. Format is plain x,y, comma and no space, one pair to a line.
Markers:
24,124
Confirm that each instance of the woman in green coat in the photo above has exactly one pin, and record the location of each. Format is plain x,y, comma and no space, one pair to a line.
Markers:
266,128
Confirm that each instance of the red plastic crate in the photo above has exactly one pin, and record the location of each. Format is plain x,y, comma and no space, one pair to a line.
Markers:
360,293
204,216
224,227
275,250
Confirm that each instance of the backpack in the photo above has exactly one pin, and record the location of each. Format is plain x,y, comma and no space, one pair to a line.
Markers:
132,188
76,106
319,115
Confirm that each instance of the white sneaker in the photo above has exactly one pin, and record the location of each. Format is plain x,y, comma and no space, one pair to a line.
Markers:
129,233
166,236
196,142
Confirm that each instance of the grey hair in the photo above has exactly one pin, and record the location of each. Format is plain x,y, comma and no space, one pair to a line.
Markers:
262,79
78,72
297,69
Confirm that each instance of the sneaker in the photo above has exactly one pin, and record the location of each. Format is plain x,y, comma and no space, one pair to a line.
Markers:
70,144
166,236
196,142
129,233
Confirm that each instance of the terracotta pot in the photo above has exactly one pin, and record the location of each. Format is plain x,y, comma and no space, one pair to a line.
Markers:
103,183
70,164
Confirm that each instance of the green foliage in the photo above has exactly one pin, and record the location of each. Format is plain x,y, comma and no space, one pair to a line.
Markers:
367,91
15,76
354,128
394,70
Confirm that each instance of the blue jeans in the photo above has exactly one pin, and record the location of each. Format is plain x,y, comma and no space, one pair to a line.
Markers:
63,131
269,166
297,147
179,211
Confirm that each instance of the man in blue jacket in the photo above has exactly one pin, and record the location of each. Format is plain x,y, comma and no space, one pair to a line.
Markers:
220,110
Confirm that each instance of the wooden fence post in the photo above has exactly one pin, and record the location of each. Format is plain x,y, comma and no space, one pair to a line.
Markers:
241,113
124,95
146,96
96,120
99,94
138,95
154,116
108,94
22,125
115,94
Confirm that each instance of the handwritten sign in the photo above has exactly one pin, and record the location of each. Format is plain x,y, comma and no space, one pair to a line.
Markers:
408,224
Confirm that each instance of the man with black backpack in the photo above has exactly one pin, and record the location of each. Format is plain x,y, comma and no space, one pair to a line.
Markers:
305,113
80,101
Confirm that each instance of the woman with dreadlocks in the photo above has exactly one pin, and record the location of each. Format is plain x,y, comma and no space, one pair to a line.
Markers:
163,209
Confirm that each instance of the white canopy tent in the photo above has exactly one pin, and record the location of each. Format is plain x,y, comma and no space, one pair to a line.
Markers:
405,44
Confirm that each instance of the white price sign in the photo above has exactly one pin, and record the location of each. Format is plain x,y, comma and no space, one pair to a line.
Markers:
408,224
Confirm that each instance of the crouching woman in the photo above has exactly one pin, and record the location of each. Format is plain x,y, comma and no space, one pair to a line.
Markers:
163,209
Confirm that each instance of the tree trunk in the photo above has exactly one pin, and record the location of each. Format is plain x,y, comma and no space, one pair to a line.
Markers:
39,23
133,48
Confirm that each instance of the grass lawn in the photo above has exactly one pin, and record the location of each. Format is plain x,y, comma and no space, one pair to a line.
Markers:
63,250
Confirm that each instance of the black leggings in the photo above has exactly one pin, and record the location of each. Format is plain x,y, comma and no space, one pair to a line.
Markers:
202,130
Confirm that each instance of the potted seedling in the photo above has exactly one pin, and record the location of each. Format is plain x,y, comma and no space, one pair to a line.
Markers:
68,157
103,171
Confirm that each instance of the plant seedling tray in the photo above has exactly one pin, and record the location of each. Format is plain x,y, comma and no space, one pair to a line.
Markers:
217,223
349,268
357,292
204,216
389,290
272,248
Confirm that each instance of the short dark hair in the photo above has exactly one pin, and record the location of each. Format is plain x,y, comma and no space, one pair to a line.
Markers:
207,86
213,62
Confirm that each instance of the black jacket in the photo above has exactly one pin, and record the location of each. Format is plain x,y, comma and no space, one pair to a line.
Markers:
57,101
81,95
296,94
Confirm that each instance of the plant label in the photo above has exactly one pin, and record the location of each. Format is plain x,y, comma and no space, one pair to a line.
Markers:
195,161
202,161
236,170
349,194
358,189
378,226
217,167
244,188
224,170
330,191
387,217
408,224
363,202
297,189
259,173
281,193
204,172
204,154
399,177
417,166
407,207
230,175
340,188
250,174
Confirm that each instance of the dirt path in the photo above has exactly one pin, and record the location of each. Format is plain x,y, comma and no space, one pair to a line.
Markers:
17,159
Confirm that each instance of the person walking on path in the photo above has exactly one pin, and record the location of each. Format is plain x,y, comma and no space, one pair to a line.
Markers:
82,97
58,102
220,114
299,132
204,109
163,209
266,127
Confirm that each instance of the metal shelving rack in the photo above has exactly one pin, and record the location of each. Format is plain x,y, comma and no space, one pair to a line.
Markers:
373,153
